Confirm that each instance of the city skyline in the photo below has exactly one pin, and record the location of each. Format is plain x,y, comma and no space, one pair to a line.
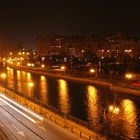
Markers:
22,22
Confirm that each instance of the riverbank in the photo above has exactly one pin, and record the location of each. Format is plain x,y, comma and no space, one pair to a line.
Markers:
118,86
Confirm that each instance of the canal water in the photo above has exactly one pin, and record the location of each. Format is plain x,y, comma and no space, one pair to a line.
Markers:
103,110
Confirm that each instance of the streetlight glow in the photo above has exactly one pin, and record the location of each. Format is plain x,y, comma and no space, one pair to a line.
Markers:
113,109
63,68
128,76
92,70
42,66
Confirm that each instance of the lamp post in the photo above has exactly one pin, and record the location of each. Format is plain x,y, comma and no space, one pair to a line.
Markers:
42,66
129,77
63,68
110,115
3,76
93,71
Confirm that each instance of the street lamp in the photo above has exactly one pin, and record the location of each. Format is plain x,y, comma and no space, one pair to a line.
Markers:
128,76
42,66
114,109
63,68
92,70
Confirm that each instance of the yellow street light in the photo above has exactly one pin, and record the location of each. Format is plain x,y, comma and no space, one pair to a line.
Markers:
111,108
23,53
128,76
92,70
18,63
114,109
42,66
63,68
29,64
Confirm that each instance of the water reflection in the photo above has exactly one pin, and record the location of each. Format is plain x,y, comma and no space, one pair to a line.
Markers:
10,79
130,118
29,88
22,80
63,96
19,81
29,78
92,99
43,90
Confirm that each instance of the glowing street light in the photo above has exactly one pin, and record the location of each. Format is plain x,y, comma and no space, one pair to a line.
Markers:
29,64
42,66
111,108
63,68
128,75
18,63
114,109
92,70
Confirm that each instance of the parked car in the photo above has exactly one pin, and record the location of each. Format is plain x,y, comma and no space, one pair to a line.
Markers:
135,84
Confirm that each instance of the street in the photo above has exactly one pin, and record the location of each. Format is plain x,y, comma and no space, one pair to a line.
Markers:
18,123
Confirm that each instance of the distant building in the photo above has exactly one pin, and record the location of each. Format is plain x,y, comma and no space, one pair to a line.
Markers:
65,45
109,46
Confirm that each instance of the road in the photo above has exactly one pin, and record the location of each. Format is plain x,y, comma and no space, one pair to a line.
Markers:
18,123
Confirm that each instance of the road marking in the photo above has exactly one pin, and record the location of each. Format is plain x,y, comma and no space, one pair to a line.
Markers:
29,118
18,131
25,109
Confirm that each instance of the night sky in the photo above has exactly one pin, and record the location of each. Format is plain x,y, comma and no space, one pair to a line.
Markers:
23,20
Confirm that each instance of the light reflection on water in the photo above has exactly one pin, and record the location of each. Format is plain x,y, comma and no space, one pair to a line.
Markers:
43,90
126,121
29,92
10,79
19,86
129,115
63,96
92,103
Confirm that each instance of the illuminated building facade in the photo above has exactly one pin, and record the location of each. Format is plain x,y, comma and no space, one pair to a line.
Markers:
112,46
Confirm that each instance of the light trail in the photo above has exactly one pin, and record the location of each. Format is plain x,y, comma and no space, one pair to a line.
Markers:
29,118
25,109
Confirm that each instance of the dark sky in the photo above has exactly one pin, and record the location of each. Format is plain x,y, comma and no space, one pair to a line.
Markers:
23,20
